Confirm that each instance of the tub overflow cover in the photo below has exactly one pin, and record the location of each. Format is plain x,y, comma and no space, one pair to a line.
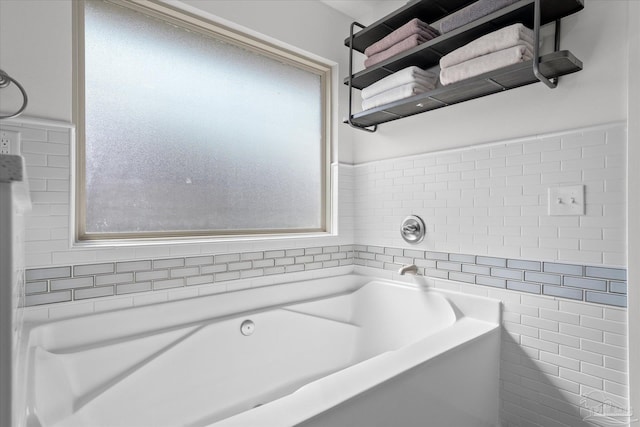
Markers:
247,327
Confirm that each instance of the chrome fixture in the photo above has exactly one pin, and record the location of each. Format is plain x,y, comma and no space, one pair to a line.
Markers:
408,269
247,327
6,80
412,229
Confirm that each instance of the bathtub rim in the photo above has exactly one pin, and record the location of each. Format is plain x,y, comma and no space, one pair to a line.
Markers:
295,292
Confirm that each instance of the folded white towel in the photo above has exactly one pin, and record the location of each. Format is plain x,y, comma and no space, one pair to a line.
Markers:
406,44
400,92
504,38
399,78
485,63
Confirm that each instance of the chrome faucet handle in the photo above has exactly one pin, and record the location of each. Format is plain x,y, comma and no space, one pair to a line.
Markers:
409,228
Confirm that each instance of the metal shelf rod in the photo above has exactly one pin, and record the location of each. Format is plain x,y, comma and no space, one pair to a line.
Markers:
551,83
349,119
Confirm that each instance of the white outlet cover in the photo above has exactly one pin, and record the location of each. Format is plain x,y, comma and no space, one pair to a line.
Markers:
566,200
9,142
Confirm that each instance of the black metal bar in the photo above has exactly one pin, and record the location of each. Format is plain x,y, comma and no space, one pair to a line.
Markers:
556,44
349,119
536,47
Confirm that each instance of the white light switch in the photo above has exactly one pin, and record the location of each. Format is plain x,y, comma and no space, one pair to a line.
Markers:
566,200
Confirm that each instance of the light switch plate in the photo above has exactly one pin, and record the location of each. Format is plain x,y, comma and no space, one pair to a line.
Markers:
566,200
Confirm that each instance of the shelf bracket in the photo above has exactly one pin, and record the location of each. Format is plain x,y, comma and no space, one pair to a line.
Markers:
349,119
551,83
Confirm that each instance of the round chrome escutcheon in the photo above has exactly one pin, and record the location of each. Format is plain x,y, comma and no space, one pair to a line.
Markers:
412,229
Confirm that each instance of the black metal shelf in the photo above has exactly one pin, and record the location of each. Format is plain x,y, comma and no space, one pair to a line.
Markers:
428,54
552,65
532,13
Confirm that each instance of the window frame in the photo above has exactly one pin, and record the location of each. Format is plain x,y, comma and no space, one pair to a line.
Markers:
210,28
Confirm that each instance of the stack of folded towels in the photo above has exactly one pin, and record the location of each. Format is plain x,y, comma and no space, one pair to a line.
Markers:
399,85
410,35
507,46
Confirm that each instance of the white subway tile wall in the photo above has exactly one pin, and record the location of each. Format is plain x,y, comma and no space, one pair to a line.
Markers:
492,199
64,284
562,279
575,282
488,232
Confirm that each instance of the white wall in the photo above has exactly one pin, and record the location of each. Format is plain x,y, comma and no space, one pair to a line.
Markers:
35,49
493,199
597,36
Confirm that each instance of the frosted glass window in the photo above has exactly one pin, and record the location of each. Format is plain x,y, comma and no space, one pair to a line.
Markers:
189,133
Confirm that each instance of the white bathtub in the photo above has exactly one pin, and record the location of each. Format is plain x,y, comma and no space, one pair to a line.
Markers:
341,351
